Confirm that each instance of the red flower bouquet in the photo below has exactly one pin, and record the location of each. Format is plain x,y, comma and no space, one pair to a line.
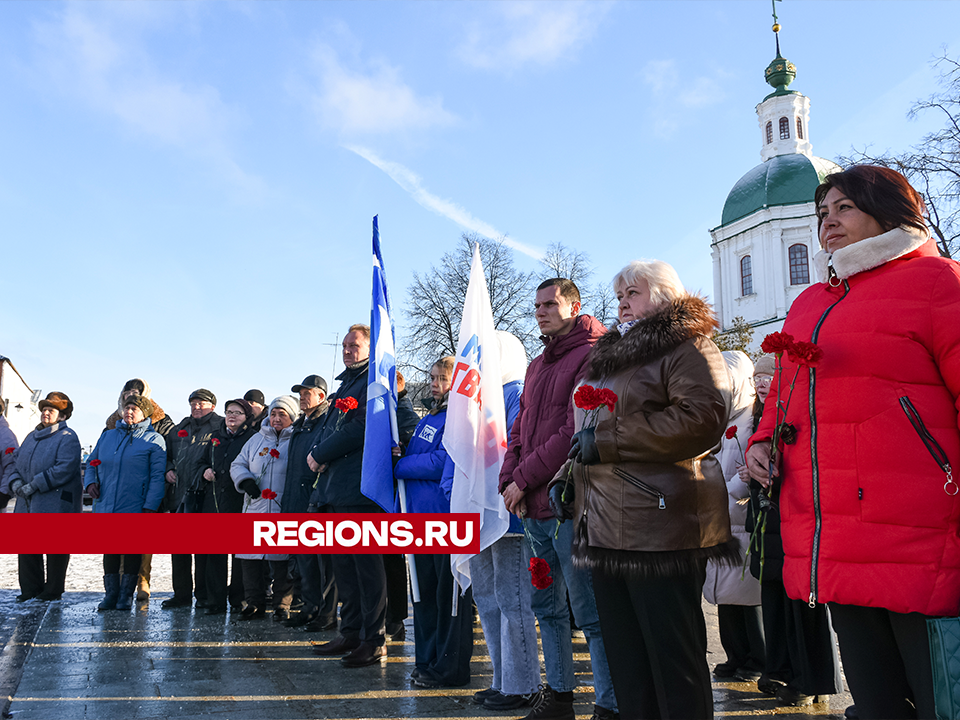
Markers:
344,405
540,573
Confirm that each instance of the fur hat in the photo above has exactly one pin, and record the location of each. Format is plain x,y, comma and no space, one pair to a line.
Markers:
58,401
144,403
203,395
255,396
766,365
247,407
289,404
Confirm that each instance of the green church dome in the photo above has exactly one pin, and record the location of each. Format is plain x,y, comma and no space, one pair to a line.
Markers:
781,180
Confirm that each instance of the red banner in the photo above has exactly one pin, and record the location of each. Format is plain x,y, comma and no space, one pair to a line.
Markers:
239,534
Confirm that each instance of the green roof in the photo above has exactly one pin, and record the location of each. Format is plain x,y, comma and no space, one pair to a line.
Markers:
781,180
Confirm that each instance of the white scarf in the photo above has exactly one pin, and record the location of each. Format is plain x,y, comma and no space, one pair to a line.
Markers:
869,252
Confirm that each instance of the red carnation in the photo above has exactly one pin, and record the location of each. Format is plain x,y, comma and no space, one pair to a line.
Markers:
182,433
346,404
804,353
94,463
215,442
587,397
274,453
540,573
607,397
268,494
731,433
777,343
8,451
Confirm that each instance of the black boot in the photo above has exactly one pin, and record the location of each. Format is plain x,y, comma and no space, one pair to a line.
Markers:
128,588
111,586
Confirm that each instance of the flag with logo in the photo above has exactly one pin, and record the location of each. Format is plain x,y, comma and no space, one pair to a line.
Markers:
475,434
380,436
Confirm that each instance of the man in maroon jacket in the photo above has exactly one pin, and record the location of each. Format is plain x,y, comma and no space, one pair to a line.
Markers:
539,446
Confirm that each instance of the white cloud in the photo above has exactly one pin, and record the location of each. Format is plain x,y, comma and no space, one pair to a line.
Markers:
410,181
673,96
531,32
378,102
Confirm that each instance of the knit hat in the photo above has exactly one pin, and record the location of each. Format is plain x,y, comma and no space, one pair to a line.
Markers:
247,408
58,401
203,395
145,404
255,396
766,365
311,381
289,404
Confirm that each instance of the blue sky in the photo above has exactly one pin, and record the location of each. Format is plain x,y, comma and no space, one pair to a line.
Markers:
187,189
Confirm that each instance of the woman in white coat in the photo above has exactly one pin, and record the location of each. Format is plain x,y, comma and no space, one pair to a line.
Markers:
260,471
737,593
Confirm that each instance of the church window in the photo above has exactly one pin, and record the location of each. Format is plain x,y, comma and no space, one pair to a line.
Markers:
799,129
769,133
784,129
746,275
799,268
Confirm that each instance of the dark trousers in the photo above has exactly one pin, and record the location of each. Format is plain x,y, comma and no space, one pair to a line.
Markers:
801,646
256,577
886,659
741,635
362,584
32,580
111,564
215,580
395,567
656,641
317,586
183,575
444,642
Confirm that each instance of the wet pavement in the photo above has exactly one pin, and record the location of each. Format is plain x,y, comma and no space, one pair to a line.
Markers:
64,660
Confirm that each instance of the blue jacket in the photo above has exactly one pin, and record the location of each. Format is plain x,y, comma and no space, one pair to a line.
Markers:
50,459
511,402
133,459
422,467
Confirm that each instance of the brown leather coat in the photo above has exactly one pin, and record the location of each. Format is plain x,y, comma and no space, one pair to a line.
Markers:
656,502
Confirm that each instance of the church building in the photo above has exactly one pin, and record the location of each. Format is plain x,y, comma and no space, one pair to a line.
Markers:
764,246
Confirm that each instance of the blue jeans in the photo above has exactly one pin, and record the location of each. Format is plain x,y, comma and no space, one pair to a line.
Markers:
502,591
550,606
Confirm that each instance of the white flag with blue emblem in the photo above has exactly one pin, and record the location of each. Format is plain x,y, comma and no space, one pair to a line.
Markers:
475,434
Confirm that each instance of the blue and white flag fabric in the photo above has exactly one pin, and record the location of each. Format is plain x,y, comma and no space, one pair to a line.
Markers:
380,436
475,434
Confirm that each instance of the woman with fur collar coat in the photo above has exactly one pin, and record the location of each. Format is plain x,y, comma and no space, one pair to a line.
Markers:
650,498
870,511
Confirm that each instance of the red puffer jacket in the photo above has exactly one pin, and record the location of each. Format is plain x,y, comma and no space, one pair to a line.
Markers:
544,426
868,514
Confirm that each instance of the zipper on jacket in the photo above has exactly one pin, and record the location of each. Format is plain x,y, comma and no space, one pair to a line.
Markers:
638,483
932,445
814,467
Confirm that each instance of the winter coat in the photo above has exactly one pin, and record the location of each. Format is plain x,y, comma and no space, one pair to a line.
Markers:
300,478
221,495
256,463
729,584
656,502
544,425
8,445
132,462
342,449
867,513
50,459
421,468
187,457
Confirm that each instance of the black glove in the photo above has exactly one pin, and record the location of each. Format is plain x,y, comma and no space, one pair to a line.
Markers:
250,487
561,510
583,447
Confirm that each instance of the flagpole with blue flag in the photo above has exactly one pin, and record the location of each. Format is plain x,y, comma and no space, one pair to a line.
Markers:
380,435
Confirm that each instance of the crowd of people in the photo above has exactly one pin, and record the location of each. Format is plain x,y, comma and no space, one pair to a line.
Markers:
645,470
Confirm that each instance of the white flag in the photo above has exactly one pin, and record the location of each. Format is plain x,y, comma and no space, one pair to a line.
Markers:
475,434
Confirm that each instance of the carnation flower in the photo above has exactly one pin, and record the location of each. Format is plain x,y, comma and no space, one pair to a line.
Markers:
274,453
540,573
215,442
182,433
268,494
346,404
587,397
95,463
804,353
731,433
776,343
8,451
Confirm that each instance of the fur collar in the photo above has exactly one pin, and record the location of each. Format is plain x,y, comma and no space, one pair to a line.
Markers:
654,336
869,253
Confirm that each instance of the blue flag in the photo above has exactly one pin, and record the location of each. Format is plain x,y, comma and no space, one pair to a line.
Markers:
380,437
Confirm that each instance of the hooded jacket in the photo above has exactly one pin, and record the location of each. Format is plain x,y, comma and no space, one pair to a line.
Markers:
132,462
540,437
656,503
867,517
50,459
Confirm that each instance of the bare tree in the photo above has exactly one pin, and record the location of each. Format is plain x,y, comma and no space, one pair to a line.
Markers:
564,262
602,303
933,165
435,301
